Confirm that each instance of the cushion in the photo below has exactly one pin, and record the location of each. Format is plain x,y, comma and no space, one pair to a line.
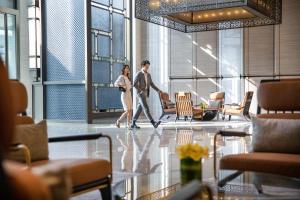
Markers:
81,171
24,120
35,137
276,135
214,103
276,163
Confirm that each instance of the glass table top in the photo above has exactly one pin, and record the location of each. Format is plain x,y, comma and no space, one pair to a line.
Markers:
246,185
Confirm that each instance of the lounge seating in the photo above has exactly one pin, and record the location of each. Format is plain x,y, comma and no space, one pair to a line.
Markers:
241,109
184,107
216,100
17,182
275,161
167,107
85,174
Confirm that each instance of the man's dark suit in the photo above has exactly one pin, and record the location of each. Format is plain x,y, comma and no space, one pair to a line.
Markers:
143,91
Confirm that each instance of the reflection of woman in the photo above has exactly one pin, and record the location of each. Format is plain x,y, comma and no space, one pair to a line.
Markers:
124,83
127,156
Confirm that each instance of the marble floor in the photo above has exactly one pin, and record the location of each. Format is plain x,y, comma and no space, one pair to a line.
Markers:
146,150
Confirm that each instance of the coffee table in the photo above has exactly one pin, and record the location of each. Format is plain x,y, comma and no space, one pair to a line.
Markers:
248,185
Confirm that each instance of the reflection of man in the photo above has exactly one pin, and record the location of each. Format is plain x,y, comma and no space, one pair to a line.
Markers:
142,83
143,162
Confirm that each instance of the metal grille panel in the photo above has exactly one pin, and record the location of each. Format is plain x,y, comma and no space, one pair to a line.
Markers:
67,102
65,43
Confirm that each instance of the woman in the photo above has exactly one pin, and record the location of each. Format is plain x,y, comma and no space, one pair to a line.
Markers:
123,82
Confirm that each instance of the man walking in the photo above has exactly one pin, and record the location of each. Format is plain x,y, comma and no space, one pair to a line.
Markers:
142,83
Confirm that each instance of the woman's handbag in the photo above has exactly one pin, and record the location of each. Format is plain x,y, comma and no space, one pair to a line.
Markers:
122,89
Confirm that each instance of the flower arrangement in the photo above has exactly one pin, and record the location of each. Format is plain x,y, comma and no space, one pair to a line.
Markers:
193,151
190,156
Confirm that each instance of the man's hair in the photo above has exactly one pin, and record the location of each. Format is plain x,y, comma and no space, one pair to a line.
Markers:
145,62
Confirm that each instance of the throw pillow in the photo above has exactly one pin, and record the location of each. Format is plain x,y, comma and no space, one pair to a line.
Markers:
276,135
35,137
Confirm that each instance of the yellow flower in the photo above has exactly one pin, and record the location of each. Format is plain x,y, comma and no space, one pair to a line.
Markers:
194,151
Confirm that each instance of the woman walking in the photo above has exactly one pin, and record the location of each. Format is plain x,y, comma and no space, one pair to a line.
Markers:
124,83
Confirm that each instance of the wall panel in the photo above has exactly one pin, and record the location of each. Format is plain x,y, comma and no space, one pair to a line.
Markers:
289,60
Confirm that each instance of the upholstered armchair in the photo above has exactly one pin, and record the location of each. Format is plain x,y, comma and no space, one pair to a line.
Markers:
17,182
184,106
85,174
216,100
276,132
241,109
167,107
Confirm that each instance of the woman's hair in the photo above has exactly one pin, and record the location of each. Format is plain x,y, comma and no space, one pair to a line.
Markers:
123,69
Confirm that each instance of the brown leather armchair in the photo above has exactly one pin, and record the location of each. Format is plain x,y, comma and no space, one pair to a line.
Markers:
16,182
85,174
288,104
167,107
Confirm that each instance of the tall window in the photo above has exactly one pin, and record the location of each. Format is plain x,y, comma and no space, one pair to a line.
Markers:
110,50
8,36
231,64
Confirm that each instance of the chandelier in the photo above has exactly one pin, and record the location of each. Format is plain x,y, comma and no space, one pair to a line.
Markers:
207,15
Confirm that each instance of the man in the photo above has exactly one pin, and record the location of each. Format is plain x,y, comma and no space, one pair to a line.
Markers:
142,83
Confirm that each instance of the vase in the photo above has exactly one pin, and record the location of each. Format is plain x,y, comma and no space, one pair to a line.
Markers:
190,170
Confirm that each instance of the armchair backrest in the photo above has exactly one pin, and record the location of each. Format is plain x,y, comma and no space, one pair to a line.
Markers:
20,102
184,104
245,105
164,98
7,114
280,98
217,96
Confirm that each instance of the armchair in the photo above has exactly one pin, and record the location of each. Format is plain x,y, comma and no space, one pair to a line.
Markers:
167,107
16,183
216,100
85,174
184,106
241,109
283,106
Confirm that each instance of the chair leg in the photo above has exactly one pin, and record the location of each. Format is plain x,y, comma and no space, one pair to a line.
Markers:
106,192
223,116
162,115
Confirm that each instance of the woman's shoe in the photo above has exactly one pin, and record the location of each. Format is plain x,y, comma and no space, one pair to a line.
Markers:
118,123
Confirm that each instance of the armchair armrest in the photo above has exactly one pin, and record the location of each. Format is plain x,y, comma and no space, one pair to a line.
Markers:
225,133
25,150
85,137
71,138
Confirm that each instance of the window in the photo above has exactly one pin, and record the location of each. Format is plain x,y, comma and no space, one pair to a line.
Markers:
231,64
8,37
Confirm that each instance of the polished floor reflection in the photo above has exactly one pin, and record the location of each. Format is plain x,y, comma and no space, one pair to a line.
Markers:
147,150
